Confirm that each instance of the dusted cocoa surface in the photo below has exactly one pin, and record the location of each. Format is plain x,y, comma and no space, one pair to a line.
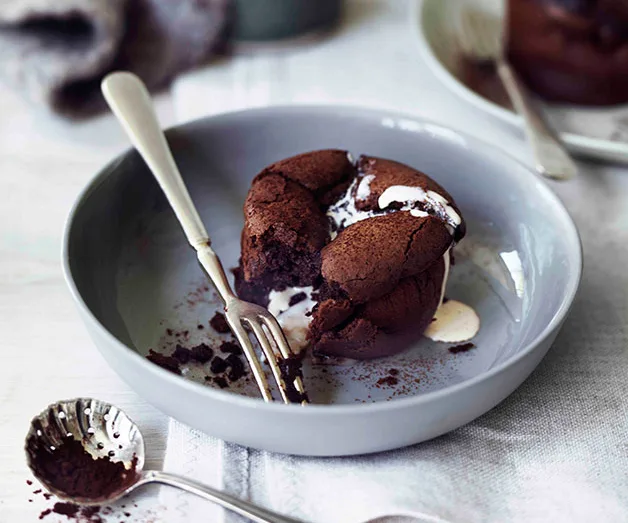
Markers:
369,258
377,283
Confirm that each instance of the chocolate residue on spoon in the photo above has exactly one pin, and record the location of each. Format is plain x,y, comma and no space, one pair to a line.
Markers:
70,469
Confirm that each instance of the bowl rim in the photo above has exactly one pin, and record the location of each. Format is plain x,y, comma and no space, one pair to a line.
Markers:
417,19
132,357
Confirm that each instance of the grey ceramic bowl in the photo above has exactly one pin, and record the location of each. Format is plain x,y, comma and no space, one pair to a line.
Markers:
133,277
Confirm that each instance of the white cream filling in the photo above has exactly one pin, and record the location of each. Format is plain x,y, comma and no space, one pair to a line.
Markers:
454,322
364,187
294,320
344,212
410,196
447,260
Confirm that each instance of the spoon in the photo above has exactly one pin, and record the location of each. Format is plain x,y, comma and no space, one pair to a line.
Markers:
111,438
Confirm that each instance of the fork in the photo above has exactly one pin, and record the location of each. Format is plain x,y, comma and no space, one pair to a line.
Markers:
129,100
482,37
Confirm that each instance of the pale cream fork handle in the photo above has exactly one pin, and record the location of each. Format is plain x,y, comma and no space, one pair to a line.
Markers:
130,102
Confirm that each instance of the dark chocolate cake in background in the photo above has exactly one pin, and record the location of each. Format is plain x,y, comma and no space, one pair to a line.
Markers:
352,257
571,51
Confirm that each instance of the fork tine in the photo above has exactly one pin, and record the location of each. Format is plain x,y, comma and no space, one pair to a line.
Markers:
259,333
279,338
247,346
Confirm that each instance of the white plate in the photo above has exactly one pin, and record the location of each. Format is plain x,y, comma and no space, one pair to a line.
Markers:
600,133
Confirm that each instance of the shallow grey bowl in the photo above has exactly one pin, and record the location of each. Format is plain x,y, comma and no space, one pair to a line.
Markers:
135,280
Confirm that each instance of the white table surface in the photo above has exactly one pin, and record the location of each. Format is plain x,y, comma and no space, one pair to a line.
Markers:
47,353
44,163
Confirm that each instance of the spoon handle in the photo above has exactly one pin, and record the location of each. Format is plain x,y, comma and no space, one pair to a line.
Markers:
243,508
129,100
551,158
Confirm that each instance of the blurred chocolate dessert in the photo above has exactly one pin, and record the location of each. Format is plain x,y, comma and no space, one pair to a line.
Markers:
571,51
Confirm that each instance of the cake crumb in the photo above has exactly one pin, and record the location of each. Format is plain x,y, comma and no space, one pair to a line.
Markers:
461,348
221,382
219,323
165,362
231,347
388,380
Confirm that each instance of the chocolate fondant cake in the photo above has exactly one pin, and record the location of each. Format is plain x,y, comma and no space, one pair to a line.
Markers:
352,257
573,51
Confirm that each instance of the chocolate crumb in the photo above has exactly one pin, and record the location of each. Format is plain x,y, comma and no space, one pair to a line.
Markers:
393,372
221,382
47,495
45,513
461,348
165,362
181,354
30,500
237,369
38,491
90,513
169,332
231,347
297,298
200,327
202,353
66,509
29,482
127,514
218,365
388,380
219,323
290,369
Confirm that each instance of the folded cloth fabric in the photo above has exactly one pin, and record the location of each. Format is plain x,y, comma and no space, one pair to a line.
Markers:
57,51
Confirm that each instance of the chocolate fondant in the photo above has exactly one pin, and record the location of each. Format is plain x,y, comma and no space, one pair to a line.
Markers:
375,280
